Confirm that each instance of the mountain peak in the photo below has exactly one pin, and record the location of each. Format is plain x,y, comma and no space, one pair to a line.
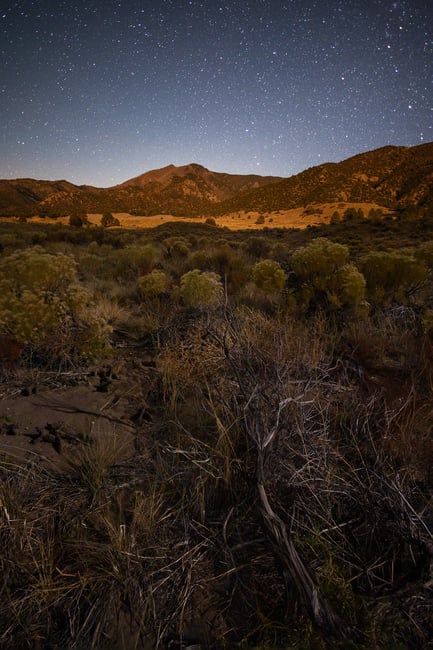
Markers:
391,176
164,175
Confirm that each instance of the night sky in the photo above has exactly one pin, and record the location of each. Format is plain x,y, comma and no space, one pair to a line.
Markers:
99,91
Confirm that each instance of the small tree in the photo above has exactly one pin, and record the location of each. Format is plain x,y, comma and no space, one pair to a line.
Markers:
350,214
108,221
76,220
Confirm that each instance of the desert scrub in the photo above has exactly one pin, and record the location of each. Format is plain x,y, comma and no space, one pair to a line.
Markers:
392,276
43,306
323,275
268,275
153,284
201,289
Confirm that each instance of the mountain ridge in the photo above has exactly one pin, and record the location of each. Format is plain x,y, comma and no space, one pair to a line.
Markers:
392,176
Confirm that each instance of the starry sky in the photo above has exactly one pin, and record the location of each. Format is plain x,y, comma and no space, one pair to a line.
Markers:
100,91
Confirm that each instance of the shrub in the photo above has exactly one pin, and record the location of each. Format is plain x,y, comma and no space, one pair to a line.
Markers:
42,304
326,276
201,289
176,246
153,284
317,262
37,291
133,261
348,289
268,275
257,246
392,276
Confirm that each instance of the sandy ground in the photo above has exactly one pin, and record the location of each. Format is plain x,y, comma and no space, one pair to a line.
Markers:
43,424
312,215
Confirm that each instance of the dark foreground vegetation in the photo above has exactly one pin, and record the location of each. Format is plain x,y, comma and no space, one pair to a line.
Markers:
278,493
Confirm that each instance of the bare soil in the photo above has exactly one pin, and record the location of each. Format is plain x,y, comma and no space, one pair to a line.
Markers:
45,416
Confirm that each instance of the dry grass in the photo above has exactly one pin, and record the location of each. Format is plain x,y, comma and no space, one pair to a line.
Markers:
281,501
313,215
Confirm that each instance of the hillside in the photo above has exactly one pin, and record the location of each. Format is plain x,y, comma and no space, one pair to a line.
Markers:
390,176
199,181
393,177
25,193
186,190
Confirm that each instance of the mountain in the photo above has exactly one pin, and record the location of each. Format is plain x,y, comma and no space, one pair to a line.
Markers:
394,177
195,179
26,193
185,190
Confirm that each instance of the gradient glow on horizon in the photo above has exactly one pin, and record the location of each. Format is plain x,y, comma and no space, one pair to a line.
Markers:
99,92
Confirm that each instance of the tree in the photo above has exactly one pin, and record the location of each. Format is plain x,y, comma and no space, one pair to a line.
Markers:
78,217
350,214
75,220
107,220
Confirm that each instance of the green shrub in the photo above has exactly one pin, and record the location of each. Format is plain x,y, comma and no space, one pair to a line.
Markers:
317,262
42,305
37,292
201,289
153,284
392,276
133,261
324,275
268,276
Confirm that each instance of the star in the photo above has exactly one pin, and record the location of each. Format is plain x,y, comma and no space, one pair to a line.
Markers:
143,85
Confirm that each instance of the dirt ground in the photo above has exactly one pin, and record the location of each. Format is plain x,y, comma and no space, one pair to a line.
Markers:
45,417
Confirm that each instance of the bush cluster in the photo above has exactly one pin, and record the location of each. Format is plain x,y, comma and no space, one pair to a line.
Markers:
268,484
